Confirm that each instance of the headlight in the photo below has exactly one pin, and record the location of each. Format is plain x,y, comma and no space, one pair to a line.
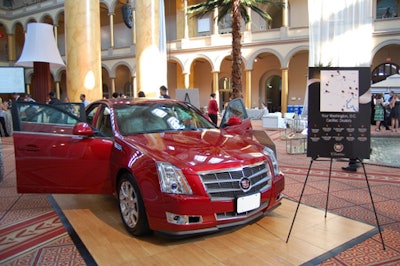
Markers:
172,179
269,152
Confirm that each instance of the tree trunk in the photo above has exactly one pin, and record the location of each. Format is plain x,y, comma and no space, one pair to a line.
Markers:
236,51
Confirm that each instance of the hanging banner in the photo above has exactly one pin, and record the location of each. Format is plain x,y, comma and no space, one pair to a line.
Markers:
339,112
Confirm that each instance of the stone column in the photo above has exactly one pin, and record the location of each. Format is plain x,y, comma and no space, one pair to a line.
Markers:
215,89
58,91
248,25
150,61
248,88
186,25
215,82
111,30
285,89
285,14
134,87
134,26
41,81
11,48
83,49
55,30
112,86
186,80
215,24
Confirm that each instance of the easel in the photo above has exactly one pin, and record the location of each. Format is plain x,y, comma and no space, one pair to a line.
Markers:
327,196
187,98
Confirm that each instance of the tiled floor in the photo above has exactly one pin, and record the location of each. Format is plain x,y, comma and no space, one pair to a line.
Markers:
348,197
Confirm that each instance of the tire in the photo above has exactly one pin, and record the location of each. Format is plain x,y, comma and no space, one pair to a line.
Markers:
131,206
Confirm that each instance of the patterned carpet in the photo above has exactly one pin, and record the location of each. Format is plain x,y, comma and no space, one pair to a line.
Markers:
32,233
348,198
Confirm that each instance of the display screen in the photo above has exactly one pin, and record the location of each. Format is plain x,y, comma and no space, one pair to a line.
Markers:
12,79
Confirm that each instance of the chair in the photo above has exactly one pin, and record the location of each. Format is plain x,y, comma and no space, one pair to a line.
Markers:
273,120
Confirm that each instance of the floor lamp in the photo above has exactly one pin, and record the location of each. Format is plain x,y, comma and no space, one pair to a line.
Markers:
40,52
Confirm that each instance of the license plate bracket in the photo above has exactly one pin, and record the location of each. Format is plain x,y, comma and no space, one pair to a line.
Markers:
248,203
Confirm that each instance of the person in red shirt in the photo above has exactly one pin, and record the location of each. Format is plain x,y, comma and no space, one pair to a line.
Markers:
213,109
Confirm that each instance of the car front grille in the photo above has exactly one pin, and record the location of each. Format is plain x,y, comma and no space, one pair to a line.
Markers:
225,185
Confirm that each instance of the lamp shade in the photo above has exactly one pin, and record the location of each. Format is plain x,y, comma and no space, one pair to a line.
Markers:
40,46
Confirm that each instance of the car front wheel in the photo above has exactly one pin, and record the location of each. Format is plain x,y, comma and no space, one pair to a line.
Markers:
131,206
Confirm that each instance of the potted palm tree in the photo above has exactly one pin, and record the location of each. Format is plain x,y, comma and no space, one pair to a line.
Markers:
238,10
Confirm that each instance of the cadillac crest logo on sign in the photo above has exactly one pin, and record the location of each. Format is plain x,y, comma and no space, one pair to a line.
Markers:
338,147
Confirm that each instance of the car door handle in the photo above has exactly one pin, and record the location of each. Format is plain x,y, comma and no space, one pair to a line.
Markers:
30,147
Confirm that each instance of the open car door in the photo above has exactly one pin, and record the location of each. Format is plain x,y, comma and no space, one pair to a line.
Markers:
57,152
235,120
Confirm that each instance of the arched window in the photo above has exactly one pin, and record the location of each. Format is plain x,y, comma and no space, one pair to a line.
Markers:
383,71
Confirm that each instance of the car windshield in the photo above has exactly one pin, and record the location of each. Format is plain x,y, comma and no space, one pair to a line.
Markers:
158,117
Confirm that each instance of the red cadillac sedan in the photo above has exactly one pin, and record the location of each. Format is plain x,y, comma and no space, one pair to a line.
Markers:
171,169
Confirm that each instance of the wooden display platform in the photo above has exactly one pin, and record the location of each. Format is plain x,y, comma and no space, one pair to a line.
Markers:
96,220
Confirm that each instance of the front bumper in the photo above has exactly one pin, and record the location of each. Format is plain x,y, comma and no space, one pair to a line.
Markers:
184,215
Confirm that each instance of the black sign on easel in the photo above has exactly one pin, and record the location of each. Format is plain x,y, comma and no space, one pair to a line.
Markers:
339,115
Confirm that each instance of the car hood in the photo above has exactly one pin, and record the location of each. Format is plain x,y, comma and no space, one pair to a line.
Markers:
193,149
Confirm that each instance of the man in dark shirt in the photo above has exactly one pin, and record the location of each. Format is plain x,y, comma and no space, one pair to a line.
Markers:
53,98
55,116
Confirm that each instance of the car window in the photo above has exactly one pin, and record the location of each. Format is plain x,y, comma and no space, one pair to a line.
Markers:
28,116
103,123
235,108
159,117
91,113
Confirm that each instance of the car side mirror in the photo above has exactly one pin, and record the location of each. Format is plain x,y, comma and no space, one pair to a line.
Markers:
82,129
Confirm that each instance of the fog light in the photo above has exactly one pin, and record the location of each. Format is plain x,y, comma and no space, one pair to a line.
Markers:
182,219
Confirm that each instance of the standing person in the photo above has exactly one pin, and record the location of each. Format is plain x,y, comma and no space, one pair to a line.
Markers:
31,110
389,109
373,103
17,97
3,108
83,99
163,92
115,95
55,116
395,112
265,107
379,114
28,98
352,167
386,113
53,98
212,109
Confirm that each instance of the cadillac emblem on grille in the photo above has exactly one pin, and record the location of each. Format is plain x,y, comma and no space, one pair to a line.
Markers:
245,184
